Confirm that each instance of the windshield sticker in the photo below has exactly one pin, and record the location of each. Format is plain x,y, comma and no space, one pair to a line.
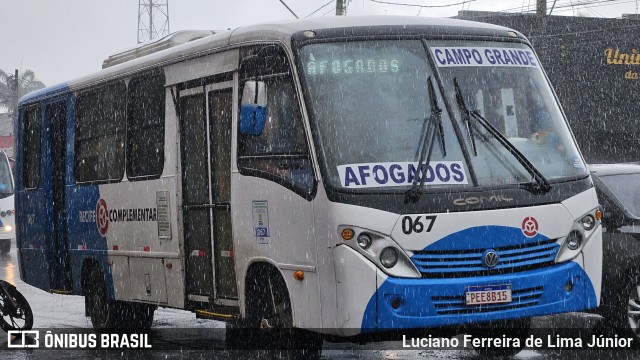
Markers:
388,174
483,56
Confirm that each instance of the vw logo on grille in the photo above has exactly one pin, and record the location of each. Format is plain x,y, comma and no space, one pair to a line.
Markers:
490,259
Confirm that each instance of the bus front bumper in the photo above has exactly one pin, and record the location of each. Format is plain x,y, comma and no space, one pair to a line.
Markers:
419,303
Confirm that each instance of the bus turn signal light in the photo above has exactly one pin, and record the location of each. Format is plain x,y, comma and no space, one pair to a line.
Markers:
598,215
298,275
347,234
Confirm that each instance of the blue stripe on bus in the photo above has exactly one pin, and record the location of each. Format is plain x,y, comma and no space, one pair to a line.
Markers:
86,234
441,302
484,237
430,302
43,93
35,240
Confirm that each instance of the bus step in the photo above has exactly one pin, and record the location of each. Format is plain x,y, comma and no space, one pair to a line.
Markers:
61,292
205,314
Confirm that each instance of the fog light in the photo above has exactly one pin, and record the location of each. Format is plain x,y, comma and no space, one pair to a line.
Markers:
364,241
588,222
568,286
389,257
574,240
395,303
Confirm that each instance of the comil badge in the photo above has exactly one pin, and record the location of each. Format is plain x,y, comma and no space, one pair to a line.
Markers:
529,226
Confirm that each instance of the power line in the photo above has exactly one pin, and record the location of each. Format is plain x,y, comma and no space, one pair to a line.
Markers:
288,8
330,11
570,3
320,8
421,6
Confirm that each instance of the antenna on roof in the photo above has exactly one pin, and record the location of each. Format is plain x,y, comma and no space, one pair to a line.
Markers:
153,19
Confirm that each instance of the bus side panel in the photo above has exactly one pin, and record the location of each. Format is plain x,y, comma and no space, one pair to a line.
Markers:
290,244
356,284
85,241
31,218
31,245
132,232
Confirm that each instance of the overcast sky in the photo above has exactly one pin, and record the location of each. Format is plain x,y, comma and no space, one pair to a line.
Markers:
63,39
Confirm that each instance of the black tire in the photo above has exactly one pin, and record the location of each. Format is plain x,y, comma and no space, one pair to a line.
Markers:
103,311
510,328
622,316
269,321
14,317
108,314
136,316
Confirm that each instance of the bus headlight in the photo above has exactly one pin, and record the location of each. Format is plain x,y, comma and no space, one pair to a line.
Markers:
588,222
364,241
582,230
574,240
381,250
389,257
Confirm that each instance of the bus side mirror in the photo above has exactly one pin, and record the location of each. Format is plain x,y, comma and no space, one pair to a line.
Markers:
253,108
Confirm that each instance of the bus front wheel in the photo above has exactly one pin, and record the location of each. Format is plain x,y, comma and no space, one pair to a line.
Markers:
269,318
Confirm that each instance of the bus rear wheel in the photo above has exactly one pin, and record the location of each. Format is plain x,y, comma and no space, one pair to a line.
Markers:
269,320
106,313
103,311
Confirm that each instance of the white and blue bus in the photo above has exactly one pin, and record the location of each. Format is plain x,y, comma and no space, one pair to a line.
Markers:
349,176
7,212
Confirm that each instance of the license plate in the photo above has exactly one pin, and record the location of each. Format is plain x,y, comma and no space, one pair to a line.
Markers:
487,294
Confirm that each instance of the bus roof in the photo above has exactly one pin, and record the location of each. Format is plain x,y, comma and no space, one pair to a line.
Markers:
272,31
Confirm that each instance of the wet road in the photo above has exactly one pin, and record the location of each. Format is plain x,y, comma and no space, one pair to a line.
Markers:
180,327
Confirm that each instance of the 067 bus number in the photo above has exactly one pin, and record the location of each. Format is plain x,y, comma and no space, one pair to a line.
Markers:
417,224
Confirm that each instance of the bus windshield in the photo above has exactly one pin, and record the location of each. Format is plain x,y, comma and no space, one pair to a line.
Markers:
370,104
6,181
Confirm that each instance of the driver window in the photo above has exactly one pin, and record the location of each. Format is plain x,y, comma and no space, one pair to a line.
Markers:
280,152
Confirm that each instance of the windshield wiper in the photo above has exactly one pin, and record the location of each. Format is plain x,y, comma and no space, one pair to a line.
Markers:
542,184
431,127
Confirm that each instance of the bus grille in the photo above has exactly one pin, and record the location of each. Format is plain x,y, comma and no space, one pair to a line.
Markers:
450,305
463,263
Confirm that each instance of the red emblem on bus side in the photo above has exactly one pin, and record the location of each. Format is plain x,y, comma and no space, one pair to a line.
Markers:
529,226
102,217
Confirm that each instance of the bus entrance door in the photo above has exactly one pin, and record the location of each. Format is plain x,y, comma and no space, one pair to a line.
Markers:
206,192
56,115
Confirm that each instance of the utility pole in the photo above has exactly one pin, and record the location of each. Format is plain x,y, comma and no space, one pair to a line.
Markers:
541,7
153,19
341,7
16,89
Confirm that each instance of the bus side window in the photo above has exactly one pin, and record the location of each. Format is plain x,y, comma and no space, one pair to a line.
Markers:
145,126
31,148
100,134
280,152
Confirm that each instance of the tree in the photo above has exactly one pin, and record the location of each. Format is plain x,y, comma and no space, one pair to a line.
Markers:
27,83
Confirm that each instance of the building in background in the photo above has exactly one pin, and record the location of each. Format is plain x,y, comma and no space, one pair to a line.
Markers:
594,67
6,134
